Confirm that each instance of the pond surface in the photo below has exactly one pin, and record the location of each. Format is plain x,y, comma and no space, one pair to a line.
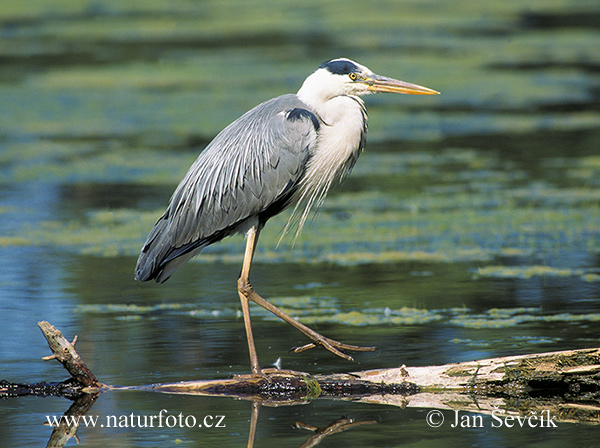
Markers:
470,227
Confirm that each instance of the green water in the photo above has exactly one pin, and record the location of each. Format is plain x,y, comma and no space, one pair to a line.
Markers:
469,228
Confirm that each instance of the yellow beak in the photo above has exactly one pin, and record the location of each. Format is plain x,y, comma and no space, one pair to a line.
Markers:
378,83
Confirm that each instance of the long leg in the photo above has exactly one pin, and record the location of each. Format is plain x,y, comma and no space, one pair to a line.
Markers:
246,292
251,240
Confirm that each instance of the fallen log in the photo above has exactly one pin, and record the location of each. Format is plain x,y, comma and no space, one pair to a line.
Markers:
565,384
568,381
570,372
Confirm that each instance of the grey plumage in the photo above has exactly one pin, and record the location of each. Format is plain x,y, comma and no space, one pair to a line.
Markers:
251,170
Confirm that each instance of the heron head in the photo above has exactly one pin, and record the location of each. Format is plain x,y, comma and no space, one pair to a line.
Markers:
346,77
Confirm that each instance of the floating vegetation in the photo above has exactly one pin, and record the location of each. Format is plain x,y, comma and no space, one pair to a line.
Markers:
137,312
510,317
311,310
14,241
377,316
481,343
92,162
373,228
527,272
354,258
470,342
118,308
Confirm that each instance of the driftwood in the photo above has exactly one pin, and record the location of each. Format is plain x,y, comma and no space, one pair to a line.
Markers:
82,379
564,384
64,351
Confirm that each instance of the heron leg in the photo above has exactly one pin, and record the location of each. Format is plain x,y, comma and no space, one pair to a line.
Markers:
252,239
246,292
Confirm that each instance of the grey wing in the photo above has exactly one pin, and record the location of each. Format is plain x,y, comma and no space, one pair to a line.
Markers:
247,174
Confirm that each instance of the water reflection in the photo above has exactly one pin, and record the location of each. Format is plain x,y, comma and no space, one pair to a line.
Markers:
65,428
78,415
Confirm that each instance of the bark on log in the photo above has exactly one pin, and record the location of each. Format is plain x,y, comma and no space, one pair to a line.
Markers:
64,351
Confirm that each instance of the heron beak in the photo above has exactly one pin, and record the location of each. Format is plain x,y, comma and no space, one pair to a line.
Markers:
378,83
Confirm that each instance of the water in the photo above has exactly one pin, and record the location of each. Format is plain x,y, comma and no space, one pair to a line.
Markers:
468,229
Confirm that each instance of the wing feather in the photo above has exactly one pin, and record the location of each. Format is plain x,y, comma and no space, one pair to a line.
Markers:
250,171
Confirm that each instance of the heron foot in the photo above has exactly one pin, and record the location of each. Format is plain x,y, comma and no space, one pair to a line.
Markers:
334,347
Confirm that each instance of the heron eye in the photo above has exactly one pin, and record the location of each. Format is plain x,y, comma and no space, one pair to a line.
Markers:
353,76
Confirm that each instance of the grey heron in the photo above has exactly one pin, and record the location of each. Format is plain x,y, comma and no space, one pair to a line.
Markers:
286,151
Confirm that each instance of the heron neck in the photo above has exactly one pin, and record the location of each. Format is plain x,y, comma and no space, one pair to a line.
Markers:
316,92
338,145
338,108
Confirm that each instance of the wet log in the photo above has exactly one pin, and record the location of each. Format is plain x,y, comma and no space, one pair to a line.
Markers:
64,351
68,388
566,382
570,372
563,385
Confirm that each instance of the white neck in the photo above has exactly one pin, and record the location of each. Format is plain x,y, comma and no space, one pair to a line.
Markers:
338,144
319,88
